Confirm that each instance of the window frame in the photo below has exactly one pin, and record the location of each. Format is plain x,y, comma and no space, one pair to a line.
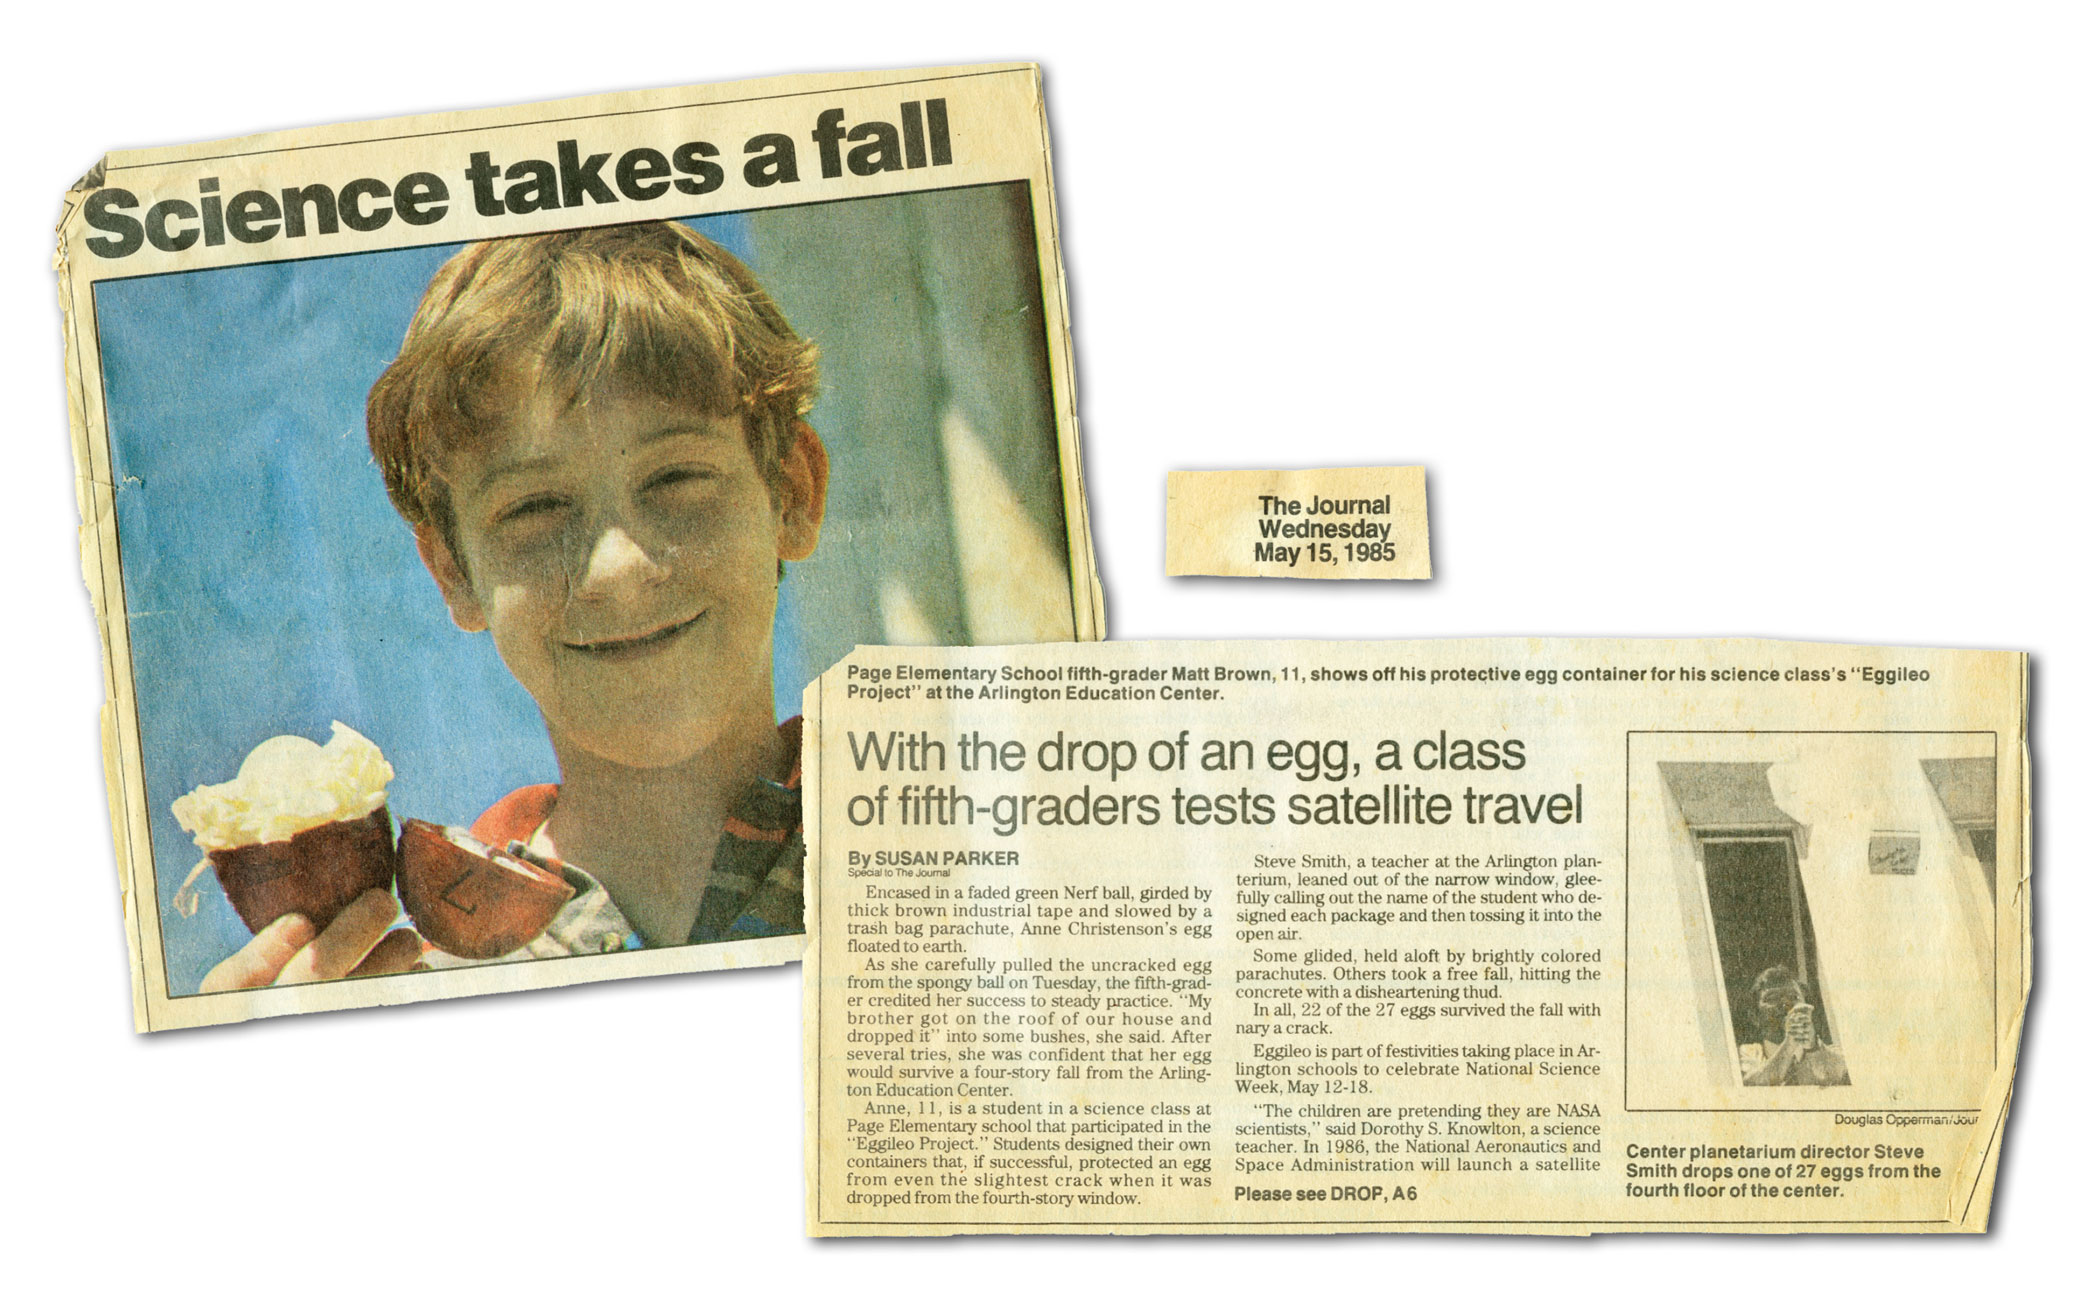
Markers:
1811,974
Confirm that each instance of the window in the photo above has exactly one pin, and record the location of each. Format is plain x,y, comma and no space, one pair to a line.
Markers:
1760,920
1749,858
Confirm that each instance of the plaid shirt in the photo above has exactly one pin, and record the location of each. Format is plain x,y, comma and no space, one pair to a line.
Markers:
754,886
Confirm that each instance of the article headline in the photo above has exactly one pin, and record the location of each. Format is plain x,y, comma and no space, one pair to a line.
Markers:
1308,761
127,221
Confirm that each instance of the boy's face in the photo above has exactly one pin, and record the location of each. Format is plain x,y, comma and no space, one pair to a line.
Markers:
623,551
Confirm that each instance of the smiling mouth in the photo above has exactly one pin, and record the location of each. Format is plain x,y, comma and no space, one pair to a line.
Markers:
632,646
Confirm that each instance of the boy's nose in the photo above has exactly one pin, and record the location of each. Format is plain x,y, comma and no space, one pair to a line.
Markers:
615,560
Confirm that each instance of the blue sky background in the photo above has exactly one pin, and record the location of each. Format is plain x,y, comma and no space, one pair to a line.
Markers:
271,586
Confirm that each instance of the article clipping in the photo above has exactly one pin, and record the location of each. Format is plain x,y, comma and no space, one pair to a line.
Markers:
467,499
1512,936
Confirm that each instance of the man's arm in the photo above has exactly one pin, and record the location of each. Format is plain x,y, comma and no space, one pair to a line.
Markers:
1778,1064
1799,1041
1826,1067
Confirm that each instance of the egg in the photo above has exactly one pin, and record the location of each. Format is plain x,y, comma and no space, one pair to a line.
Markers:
471,899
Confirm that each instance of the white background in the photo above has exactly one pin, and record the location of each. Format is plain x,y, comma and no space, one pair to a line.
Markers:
1773,320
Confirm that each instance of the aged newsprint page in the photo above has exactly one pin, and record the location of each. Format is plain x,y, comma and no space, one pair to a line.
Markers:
1520,936
466,501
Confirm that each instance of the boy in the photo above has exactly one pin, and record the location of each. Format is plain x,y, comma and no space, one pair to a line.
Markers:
598,439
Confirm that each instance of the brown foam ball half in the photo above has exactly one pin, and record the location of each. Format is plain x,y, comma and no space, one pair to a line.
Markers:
316,873
473,900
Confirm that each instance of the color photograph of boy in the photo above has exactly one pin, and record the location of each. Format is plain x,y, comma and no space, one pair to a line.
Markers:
601,450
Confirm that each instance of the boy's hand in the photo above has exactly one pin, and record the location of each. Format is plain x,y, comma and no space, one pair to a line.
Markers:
286,951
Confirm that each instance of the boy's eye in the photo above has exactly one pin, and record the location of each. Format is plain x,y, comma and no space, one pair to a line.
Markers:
677,475
541,504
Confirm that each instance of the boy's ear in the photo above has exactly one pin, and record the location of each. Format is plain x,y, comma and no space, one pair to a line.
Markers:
805,473
451,579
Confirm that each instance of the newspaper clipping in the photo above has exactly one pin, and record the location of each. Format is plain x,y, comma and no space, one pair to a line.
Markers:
1513,936
466,501
1299,523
